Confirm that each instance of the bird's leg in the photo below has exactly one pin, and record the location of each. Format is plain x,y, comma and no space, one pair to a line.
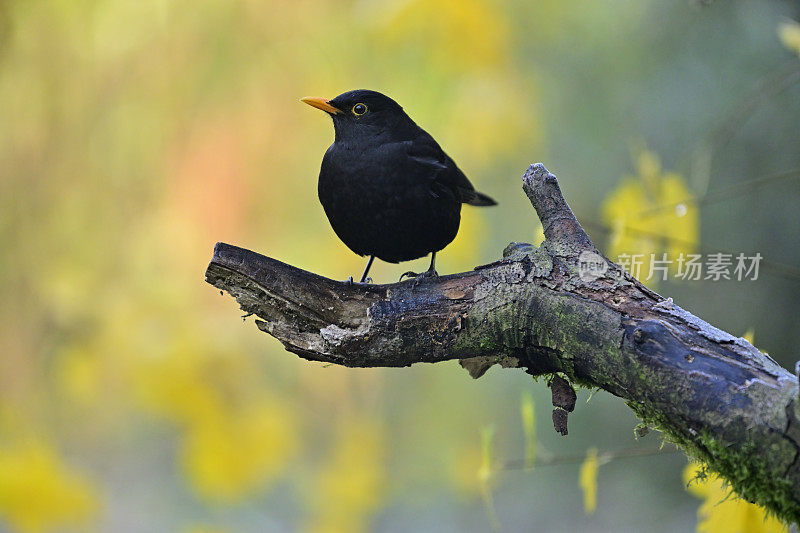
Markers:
432,269
431,272
364,278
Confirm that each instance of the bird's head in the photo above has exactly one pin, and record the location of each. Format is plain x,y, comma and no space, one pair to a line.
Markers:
364,114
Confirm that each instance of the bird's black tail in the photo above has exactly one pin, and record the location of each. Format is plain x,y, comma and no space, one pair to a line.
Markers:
481,199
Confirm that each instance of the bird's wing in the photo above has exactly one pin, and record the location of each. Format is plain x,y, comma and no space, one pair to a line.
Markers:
443,170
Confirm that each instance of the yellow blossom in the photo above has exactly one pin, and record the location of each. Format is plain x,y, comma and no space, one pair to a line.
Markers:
180,386
348,488
228,457
463,252
587,480
485,475
80,375
492,129
789,34
529,428
651,213
722,512
38,492
465,464
539,234
459,34
750,336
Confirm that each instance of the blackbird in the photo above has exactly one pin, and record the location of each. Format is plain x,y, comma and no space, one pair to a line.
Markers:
387,187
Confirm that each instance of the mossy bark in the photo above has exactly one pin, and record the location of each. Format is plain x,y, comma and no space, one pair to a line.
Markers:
712,393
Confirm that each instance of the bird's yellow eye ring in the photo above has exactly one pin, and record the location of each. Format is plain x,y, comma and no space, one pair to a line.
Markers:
359,109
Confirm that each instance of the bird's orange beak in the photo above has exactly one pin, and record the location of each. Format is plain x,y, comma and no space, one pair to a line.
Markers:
320,103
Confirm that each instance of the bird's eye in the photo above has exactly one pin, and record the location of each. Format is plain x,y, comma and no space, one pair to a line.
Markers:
359,109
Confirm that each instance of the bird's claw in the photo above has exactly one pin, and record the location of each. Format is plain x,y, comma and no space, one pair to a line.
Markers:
351,281
419,277
409,274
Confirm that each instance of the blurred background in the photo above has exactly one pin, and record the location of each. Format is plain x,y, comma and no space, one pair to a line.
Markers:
134,134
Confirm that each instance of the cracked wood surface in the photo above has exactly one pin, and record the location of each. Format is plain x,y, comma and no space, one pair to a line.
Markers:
713,393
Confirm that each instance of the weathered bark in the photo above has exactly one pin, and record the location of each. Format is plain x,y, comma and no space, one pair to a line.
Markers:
714,394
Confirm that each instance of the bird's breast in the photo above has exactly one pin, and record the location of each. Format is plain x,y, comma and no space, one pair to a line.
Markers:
378,207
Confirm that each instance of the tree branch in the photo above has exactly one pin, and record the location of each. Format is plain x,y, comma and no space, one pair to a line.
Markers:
712,393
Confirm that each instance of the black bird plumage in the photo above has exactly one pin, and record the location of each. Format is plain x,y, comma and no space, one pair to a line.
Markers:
387,187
